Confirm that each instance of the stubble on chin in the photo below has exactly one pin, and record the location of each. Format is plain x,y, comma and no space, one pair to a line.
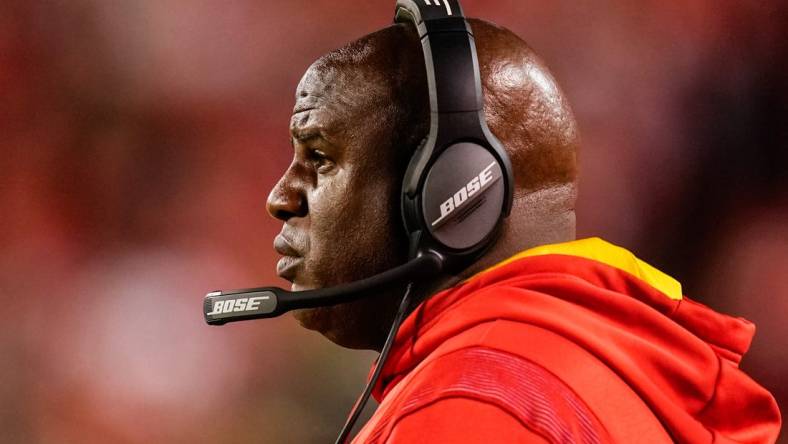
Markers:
310,318
328,321
348,325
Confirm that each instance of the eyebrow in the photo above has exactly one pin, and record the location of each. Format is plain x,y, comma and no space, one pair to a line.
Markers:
310,132
307,134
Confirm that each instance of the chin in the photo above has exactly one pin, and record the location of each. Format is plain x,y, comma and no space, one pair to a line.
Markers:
321,320
308,317
332,323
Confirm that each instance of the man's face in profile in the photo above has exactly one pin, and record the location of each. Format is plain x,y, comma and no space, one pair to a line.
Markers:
339,197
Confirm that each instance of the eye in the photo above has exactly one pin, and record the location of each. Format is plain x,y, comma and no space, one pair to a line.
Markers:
323,164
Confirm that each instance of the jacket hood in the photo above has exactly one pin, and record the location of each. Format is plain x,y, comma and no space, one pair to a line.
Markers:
678,355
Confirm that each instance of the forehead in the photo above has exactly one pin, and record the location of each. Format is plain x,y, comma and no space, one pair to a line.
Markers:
337,99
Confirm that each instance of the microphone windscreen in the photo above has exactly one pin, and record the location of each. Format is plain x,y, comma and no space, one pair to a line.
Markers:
220,307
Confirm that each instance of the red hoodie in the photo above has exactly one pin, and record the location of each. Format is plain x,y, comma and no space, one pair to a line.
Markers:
576,342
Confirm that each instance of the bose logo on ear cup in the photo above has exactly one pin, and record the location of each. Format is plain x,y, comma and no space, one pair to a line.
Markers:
463,195
438,3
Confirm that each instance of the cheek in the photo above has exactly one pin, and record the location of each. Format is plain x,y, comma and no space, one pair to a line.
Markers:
355,230
374,208
331,209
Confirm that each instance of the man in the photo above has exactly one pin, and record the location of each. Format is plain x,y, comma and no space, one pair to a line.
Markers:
544,339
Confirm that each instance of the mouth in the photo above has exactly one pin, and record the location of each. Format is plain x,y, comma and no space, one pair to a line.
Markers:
287,266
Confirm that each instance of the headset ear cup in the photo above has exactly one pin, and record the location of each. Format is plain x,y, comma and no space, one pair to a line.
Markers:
462,199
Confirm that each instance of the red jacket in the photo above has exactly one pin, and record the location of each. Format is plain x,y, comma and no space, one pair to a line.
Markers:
576,342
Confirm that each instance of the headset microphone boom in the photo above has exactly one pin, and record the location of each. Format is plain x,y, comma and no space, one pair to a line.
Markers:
221,307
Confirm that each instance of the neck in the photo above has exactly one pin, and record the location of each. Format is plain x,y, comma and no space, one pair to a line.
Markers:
541,217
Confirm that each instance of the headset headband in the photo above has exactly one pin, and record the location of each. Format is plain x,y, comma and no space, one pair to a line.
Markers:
451,62
452,69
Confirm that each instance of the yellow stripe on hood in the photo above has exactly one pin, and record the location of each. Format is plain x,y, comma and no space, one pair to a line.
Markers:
598,250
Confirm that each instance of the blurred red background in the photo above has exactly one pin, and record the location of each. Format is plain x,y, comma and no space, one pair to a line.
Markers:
140,139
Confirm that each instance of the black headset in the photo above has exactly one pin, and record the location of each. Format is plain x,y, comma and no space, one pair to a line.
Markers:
457,188
456,192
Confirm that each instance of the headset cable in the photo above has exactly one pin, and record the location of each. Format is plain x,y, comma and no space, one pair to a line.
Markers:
384,353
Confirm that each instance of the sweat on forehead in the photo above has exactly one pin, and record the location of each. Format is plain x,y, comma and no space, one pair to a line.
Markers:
384,67
374,88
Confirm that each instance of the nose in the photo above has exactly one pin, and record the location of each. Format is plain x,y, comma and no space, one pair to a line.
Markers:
287,198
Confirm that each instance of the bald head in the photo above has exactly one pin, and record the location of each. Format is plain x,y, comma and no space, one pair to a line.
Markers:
360,113
523,104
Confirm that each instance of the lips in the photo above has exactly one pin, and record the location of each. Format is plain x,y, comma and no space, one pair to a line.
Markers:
286,268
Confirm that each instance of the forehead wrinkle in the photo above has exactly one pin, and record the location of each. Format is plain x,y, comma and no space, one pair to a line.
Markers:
311,90
297,110
344,108
362,93
317,121
307,100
